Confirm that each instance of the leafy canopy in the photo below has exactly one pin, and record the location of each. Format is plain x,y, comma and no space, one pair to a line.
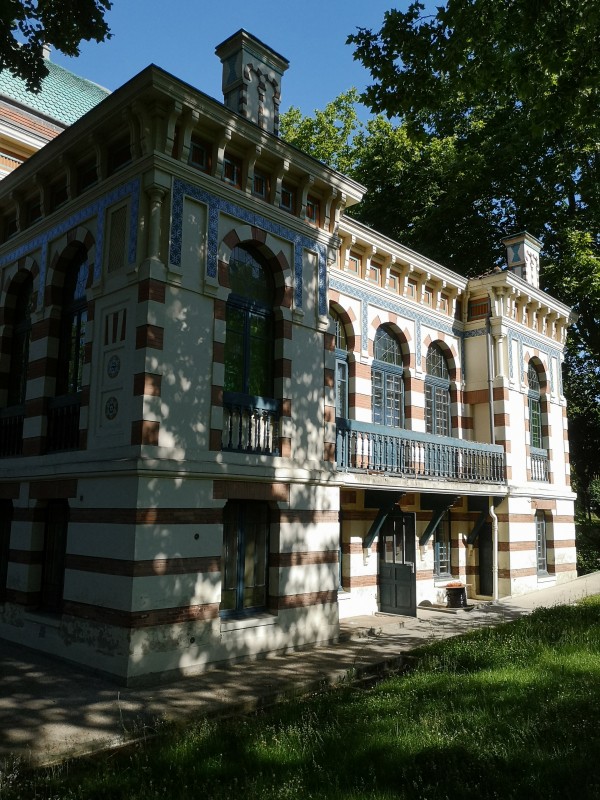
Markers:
27,25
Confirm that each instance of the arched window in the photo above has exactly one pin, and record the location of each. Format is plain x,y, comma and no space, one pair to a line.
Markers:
63,409
535,406
19,349
245,571
19,327
249,337
341,366
387,385
437,392
73,328
540,543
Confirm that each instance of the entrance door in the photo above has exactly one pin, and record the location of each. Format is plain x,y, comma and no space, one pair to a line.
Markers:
397,578
486,561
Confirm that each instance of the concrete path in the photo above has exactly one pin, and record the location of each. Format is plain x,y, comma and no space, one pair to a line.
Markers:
50,710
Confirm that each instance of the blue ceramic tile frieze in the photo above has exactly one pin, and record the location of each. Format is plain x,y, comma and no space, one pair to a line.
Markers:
96,209
217,205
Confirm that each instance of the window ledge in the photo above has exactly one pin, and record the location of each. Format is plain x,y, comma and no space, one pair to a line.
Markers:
543,578
49,618
255,621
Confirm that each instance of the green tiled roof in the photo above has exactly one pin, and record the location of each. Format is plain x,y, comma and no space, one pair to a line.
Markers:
64,96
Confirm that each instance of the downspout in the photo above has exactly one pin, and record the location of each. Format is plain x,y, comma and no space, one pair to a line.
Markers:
490,368
494,550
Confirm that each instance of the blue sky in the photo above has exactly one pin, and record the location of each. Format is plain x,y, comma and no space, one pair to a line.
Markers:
181,35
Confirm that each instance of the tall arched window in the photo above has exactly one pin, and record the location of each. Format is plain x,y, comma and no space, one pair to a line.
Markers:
13,415
341,366
19,349
73,328
63,409
249,338
387,385
535,406
437,392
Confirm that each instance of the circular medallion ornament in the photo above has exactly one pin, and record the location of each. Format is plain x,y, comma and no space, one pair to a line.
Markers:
114,366
111,408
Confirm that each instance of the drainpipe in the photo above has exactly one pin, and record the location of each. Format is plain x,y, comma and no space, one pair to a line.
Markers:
490,367
494,550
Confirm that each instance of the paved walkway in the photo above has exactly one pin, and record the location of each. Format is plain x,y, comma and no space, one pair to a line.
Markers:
50,710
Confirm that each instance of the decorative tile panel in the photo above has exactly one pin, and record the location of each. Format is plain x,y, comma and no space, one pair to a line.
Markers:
216,206
394,306
96,209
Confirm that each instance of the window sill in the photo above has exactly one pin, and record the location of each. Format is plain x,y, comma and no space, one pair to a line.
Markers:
240,623
544,577
50,618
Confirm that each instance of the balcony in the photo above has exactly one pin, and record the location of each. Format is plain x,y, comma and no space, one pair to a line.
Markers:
368,448
539,465
250,424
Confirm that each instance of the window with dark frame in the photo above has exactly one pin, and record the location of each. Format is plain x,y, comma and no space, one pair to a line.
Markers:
232,170
535,407
6,515
118,154
313,210
200,154
387,380
260,185
437,392
54,555
341,366
245,560
73,328
288,198
249,348
541,543
87,175
19,346
442,548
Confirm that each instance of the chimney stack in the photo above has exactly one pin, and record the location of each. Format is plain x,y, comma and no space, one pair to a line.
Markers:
252,75
523,256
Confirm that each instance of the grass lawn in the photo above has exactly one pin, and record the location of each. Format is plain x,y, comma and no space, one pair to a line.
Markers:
506,712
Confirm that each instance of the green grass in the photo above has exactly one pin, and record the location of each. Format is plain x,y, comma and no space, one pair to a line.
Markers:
507,712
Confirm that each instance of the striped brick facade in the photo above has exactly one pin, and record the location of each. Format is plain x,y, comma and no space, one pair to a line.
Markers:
116,548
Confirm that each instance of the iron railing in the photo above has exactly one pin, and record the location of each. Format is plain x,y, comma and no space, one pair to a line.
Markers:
11,431
364,447
63,423
250,424
539,465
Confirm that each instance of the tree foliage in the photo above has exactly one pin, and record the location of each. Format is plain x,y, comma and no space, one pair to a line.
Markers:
28,25
489,123
328,135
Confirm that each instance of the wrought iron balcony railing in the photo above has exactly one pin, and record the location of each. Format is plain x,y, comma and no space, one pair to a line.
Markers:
364,447
251,424
539,465
11,431
63,423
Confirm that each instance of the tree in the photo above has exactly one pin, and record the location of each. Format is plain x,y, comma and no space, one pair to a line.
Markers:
28,25
328,135
514,87
491,125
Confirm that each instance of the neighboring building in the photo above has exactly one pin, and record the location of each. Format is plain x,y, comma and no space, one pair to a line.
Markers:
231,415
29,121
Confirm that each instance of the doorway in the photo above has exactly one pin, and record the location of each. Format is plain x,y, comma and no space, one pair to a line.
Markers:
397,577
